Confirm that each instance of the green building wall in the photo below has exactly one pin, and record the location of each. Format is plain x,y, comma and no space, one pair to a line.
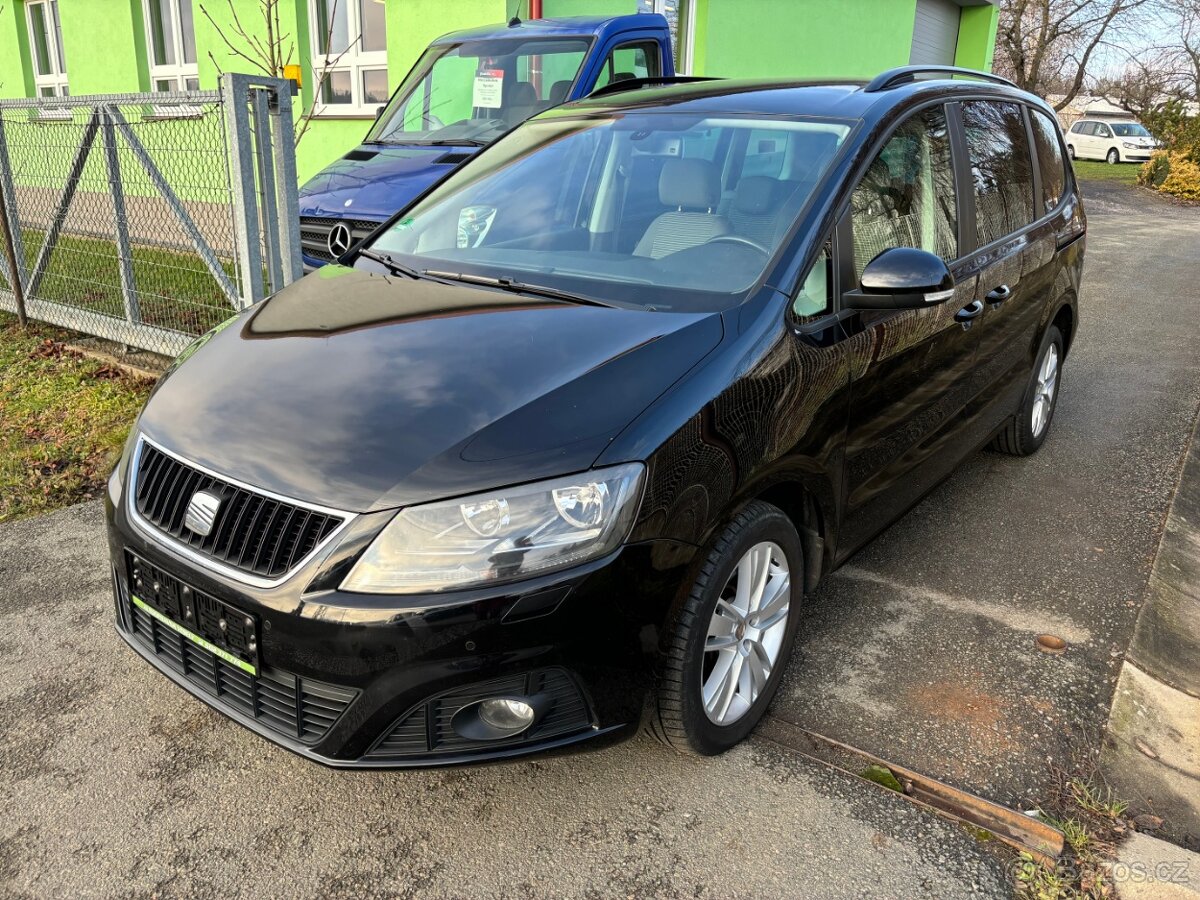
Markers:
104,42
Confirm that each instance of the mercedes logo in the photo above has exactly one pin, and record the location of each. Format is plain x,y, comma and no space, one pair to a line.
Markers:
340,239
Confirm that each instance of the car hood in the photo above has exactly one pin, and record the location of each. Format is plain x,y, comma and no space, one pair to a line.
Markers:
375,181
362,392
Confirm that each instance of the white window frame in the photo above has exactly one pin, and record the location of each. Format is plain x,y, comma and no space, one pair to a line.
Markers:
56,80
354,60
180,73
687,38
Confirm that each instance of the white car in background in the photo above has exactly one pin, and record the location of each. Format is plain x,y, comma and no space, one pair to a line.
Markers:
1111,141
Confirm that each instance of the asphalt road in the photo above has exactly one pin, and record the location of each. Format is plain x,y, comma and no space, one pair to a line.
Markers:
921,649
113,781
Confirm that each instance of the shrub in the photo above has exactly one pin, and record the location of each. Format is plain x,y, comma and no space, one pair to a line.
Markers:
1183,180
1155,172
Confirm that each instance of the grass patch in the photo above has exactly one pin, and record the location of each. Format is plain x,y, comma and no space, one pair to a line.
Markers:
64,420
1093,822
1090,170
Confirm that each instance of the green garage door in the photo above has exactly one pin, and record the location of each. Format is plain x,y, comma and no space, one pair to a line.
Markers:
935,33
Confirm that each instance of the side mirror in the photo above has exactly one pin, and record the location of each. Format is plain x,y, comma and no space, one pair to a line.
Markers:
379,111
902,278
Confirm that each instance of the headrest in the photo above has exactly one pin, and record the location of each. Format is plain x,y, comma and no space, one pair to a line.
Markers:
558,92
522,94
689,183
756,195
623,76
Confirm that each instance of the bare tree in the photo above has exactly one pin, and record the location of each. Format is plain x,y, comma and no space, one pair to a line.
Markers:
1047,46
271,50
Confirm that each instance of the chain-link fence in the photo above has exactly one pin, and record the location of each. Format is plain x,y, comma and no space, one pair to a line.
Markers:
147,219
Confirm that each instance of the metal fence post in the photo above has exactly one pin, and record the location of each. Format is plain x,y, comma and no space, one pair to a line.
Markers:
124,249
288,184
235,97
12,223
261,98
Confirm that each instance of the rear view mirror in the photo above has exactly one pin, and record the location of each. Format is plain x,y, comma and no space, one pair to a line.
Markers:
902,278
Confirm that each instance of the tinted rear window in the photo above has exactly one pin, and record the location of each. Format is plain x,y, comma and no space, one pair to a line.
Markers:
1051,165
1000,166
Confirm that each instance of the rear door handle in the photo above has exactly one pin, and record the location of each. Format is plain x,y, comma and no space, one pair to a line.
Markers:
966,315
996,296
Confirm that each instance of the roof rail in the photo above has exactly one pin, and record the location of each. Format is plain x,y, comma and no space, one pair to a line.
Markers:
906,74
630,84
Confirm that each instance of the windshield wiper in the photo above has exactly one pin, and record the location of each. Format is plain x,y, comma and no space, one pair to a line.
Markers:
518,287
392,265
455,142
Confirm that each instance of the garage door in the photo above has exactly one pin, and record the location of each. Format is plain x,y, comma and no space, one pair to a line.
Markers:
935,33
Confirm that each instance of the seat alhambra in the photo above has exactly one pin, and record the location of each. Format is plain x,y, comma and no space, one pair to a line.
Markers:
558,451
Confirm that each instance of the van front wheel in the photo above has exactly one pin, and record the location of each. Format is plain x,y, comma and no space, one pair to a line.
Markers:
730,640
1113,157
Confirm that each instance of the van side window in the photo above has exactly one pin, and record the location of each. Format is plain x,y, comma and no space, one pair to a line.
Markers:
1050,159
636,60
906,199
815,293
1001,167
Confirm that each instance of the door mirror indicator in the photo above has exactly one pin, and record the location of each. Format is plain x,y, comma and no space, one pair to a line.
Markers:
902,278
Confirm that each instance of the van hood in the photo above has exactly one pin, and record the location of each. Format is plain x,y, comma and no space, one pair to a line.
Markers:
375,181
362,392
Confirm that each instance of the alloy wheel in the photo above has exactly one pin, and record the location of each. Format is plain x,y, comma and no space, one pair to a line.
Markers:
1047,384
746,633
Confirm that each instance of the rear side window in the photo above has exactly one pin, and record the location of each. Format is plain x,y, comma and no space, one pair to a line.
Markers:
906,199
1000,167
1051,165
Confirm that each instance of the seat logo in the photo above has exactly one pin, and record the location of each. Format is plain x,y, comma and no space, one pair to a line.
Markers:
202,513
339,239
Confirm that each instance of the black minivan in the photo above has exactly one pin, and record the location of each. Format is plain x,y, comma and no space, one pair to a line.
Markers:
558,451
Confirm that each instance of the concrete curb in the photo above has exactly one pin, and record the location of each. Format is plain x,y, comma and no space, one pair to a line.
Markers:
1151,753
1155,870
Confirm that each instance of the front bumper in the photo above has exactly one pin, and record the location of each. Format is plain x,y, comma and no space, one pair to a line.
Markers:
367,681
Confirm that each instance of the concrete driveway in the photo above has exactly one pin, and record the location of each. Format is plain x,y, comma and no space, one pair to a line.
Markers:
114,781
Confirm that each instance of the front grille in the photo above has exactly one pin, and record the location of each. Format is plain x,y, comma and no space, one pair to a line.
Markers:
426,730
252,533
297,708
314,234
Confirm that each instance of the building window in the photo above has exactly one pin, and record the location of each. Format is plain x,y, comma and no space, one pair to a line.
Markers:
171,45
350,54
680,14
45,40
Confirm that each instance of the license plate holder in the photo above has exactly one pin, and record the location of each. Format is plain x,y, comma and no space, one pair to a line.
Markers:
200,618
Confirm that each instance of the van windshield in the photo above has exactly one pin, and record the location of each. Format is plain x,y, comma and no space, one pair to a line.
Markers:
644,209
473,92
1131,130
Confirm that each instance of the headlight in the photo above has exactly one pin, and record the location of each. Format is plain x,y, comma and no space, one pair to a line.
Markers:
1129,145
501,535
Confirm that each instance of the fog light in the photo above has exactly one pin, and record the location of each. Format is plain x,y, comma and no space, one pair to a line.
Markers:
503,714
496,718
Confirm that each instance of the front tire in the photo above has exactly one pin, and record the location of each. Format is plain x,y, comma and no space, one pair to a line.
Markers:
1028,429
1071,150
1113,157
732,636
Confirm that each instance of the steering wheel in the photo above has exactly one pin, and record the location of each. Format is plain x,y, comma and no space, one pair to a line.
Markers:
738,239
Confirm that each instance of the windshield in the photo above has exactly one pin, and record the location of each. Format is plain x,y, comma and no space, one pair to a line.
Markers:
661,210
1133,130
473,92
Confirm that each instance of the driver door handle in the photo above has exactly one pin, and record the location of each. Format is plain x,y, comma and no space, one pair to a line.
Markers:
996,296
966,315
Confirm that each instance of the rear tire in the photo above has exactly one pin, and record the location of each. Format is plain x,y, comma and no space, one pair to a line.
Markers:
1113,157
720,670
1026,432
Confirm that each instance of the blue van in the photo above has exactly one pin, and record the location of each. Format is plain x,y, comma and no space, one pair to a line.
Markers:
466,90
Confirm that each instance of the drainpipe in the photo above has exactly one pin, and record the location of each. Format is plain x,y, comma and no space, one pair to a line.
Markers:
535,62
535,9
